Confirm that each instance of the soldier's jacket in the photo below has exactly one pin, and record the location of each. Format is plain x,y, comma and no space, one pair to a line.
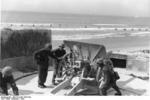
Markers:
4,81
58,53
108,63
107,73
42,56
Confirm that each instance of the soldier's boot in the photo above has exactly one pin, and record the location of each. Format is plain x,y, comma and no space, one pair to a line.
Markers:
103,92
41,86
118,93
117,89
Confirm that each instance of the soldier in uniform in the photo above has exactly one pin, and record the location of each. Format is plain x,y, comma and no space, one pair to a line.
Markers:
42,58
108,78
6,78
59,54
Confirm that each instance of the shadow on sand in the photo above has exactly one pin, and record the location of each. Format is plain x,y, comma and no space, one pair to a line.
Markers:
26,80
131,90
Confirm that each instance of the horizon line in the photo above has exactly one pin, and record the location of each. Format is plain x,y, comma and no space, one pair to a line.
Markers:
105,15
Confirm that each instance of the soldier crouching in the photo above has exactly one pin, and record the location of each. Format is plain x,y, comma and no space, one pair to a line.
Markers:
59,54
6,78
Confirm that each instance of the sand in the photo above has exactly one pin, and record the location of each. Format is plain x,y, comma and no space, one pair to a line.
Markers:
129,86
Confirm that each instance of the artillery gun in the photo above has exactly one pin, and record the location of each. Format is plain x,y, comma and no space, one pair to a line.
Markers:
75,68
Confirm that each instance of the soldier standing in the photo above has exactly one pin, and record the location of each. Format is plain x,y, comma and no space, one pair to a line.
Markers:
42,58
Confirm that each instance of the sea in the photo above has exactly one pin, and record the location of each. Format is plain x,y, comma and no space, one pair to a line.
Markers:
114,32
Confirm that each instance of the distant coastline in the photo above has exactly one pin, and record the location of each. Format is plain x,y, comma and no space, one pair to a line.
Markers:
69,20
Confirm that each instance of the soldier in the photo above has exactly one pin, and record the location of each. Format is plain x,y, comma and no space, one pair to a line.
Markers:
59,54
42,58
107,79
6,78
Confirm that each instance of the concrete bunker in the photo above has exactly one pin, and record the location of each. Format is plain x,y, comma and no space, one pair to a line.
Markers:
119,60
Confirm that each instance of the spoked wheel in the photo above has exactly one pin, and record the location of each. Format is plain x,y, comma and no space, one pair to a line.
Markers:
64,70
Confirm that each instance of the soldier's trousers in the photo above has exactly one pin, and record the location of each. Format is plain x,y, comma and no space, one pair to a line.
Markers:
103,90
57,70
42,73
4,88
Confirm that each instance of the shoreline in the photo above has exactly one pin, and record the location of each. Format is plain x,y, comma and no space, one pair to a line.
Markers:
70,26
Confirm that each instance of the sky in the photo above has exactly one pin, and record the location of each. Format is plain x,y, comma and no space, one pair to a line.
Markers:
136,8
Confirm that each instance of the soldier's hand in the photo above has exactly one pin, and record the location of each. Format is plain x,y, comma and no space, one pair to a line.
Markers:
90,79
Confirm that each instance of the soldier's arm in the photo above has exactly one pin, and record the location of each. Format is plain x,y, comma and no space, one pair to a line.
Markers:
14,86
98,77
106,78
3,86
36,55
111,63
52,54
0,79
65,55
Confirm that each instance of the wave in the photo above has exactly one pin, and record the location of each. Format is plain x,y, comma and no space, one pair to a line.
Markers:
82,33
95,36
50,26
84,36
140,34
110,24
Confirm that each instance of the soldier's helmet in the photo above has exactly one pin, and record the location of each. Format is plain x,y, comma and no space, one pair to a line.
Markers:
48,45
7,71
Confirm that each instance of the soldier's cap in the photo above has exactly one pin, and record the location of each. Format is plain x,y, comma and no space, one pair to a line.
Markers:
48,45
7,70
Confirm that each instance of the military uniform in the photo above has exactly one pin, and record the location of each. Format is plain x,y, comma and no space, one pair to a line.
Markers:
5,81
42,58
57,53
107,79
